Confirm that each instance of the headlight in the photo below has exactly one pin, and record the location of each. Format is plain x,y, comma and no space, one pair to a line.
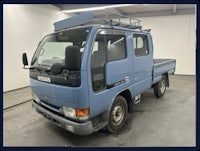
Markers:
80,114
69,112
35,97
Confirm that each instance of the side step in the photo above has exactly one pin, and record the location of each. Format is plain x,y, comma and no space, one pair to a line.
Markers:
137,99
134,101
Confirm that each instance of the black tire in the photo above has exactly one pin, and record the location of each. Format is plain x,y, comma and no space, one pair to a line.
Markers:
118,114
160,87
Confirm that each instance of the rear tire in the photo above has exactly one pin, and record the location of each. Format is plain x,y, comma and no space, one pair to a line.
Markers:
160,87
118,114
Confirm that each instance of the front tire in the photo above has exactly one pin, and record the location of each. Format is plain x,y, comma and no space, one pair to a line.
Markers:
160,87
118,114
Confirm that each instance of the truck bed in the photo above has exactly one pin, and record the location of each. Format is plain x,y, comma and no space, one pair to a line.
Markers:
162,66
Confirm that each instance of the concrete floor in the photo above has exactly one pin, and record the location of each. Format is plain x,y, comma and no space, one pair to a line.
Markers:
12,98
169,121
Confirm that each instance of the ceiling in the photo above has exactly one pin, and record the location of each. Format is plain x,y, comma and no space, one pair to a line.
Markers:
134,10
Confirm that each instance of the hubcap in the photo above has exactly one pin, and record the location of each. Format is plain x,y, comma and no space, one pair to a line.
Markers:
163,87
117,114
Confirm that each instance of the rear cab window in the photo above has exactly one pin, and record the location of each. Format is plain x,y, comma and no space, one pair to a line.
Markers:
140,45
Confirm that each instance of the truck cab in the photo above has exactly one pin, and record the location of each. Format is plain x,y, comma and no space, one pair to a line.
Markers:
89,76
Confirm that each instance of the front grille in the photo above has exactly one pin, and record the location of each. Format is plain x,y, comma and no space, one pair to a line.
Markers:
49,109
51,105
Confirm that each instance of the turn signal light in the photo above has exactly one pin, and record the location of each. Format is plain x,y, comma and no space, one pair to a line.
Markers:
82,112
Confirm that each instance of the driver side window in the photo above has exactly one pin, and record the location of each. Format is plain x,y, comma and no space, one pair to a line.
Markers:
98,61
106,48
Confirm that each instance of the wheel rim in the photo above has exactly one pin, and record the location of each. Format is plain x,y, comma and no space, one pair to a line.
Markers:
162,86
118,114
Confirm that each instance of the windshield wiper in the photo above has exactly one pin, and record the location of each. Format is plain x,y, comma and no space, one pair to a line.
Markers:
36,67
40,69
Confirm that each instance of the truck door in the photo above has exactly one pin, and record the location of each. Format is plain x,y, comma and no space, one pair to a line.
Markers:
109,66
142,63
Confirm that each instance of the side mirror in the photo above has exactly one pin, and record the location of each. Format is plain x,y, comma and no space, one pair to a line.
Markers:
24,59
73,58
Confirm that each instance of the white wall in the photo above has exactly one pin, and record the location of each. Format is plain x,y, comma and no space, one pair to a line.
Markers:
174,37
23,28
25,25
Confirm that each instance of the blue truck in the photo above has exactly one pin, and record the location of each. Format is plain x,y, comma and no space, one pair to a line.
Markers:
89,73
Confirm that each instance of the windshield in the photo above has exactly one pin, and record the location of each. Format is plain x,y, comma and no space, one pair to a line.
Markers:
51,50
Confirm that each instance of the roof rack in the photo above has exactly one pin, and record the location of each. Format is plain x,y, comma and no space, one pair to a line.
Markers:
88,18
133,22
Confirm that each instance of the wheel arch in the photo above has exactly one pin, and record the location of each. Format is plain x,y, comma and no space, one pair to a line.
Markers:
127,95
167,78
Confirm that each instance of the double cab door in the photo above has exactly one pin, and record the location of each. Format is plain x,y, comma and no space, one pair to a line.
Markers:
142,62
119,60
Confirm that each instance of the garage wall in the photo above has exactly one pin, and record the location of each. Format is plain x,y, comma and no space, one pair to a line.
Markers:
23,28
25,25
174,37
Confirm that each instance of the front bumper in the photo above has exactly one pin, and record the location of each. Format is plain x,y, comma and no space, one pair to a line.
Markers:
74,127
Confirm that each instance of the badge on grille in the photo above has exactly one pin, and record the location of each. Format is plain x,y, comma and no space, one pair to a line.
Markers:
45,79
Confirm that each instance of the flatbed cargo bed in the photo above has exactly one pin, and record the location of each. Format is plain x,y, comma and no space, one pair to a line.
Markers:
162,66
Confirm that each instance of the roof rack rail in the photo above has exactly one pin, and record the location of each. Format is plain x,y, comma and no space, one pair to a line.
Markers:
132,21
88,18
